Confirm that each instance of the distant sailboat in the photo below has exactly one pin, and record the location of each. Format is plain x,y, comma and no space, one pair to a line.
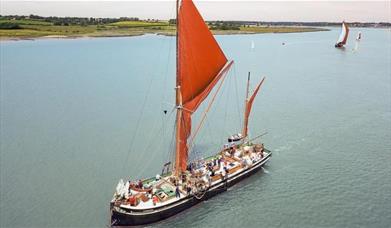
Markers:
252,45
343,37
358,39
358,36
201,65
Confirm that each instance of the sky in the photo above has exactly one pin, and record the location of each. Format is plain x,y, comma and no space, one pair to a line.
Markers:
288,10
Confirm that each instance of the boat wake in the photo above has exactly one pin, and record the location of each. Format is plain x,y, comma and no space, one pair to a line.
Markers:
355,47
265,170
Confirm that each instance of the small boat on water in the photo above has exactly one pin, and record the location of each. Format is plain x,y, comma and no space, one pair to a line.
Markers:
343,36
358,36
201,65
358,39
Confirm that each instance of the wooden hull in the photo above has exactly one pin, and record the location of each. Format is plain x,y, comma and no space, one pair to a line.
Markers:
125,217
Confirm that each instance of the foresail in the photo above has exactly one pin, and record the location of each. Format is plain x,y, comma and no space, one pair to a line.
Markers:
201,63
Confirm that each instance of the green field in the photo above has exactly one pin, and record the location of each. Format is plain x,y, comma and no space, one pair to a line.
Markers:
39,28
138,24
27,22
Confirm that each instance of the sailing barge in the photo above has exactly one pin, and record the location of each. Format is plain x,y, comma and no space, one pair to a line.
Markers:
343,36
201,64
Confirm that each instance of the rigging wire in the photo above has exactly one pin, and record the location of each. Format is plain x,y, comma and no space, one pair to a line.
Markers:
158,53
172,145
164,120
138,123
149,147
143,107
237,98
173,39
226,106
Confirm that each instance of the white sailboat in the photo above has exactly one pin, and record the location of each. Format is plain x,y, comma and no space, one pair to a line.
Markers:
358,36
358,39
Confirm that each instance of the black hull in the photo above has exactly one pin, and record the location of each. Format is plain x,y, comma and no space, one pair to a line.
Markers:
121,217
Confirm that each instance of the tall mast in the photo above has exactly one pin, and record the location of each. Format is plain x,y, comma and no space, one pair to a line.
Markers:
245,121
197,72
248,85
177,39
178,100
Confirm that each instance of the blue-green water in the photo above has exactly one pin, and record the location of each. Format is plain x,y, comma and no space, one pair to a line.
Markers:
77,115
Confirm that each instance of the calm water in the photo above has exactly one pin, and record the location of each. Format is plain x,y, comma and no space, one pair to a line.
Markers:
77,115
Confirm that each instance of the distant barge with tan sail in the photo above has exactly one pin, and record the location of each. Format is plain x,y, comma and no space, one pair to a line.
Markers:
343,36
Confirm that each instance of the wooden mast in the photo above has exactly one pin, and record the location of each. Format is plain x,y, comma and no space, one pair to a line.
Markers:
200,64
245,120
178,99
177,40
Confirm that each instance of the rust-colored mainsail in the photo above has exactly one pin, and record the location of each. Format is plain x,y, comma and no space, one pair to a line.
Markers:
249,103
200,65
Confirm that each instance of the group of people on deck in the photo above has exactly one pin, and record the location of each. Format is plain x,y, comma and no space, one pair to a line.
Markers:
199,175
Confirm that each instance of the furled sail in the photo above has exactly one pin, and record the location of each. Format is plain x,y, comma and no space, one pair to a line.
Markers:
201,63
249,103
343,37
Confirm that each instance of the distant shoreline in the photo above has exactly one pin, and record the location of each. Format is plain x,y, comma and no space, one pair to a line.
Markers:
163,33
14,27
132,33
36,27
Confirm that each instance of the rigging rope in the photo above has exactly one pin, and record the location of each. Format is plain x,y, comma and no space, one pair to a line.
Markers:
208,108
237,98
144,102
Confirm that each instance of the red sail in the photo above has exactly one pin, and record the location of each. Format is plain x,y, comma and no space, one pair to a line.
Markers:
249,104
200,66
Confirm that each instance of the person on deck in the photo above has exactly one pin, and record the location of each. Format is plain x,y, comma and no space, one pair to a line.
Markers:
177,193
154,200
225,163
132,201
188,189
209,179
129,188
225,172
140,184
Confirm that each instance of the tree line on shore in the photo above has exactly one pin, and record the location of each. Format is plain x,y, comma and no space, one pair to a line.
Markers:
61,21
214,25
